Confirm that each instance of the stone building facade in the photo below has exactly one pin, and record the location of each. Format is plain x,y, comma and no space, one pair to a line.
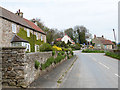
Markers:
102,43
10,25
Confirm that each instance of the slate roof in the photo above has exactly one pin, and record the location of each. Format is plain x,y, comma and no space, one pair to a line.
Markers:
5,14
18,39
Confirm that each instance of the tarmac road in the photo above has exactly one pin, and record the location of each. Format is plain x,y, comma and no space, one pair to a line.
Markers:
92,70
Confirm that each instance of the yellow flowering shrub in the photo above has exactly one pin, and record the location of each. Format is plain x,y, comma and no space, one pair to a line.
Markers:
57,48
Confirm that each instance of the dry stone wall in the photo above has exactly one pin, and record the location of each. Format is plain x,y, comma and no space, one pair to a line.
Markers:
18,67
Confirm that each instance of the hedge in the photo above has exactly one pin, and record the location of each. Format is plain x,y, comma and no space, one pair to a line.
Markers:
92,51
113,55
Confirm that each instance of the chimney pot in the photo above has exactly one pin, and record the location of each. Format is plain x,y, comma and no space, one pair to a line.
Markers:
102,36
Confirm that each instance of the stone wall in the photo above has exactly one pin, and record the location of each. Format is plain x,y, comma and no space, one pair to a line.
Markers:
18,67
30,72
13,64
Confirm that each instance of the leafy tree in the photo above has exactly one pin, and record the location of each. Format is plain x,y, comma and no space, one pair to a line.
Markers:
69,32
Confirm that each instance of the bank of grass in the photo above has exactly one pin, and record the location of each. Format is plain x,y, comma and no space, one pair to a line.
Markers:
113,55
92,51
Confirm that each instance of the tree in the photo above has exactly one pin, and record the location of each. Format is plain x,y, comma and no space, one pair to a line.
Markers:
82,34
69,32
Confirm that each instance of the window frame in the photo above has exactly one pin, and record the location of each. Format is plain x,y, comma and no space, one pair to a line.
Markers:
14,28
28,33
36,36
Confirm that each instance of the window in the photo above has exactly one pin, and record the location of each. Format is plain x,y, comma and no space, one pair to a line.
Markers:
41,38
13,28
36,35
16,44
36,48
28,33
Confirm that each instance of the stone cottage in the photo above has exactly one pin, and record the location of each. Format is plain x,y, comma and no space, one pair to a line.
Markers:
18,31
102,43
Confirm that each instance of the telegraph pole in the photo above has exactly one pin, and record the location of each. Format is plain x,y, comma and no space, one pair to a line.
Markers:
115,38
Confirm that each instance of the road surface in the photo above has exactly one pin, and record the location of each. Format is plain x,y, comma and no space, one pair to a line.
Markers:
89,70
92,70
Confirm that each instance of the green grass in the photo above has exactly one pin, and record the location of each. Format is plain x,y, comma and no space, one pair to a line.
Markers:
113,55
92,51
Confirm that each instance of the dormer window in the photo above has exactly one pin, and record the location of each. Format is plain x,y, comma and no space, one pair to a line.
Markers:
36,35
28,33
13,28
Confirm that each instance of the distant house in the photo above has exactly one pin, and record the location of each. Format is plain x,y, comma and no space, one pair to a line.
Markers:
66,39
102,43
18,31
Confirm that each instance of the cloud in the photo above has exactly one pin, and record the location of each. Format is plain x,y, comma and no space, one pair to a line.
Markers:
99,16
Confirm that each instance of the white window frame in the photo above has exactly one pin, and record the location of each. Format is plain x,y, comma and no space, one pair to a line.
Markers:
14,28
41,37
36,35
28,33
36,48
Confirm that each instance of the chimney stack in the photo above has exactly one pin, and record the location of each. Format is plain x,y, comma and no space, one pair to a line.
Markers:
19,13
34,21
102,36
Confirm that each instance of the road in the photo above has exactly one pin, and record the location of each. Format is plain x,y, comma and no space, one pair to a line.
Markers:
89,70
92,71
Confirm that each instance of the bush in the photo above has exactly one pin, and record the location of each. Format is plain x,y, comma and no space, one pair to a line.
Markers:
62,52
59,58
57,48
71,52
45,47
53,53
47,63
68,56
37,64
92,51
76,47
113,55
59,54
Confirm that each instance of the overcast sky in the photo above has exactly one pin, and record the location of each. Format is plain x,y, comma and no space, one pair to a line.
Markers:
99,16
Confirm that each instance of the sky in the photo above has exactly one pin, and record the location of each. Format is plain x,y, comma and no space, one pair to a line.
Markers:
98,16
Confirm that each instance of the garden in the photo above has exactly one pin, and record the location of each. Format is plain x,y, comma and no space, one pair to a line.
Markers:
58,54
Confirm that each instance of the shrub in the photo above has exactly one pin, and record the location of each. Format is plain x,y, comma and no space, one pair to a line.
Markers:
71,52
76,47
92,51
37,64
47,63
45,47
53,53
57,59
68,56
113,55
57,48
62,52
59,54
